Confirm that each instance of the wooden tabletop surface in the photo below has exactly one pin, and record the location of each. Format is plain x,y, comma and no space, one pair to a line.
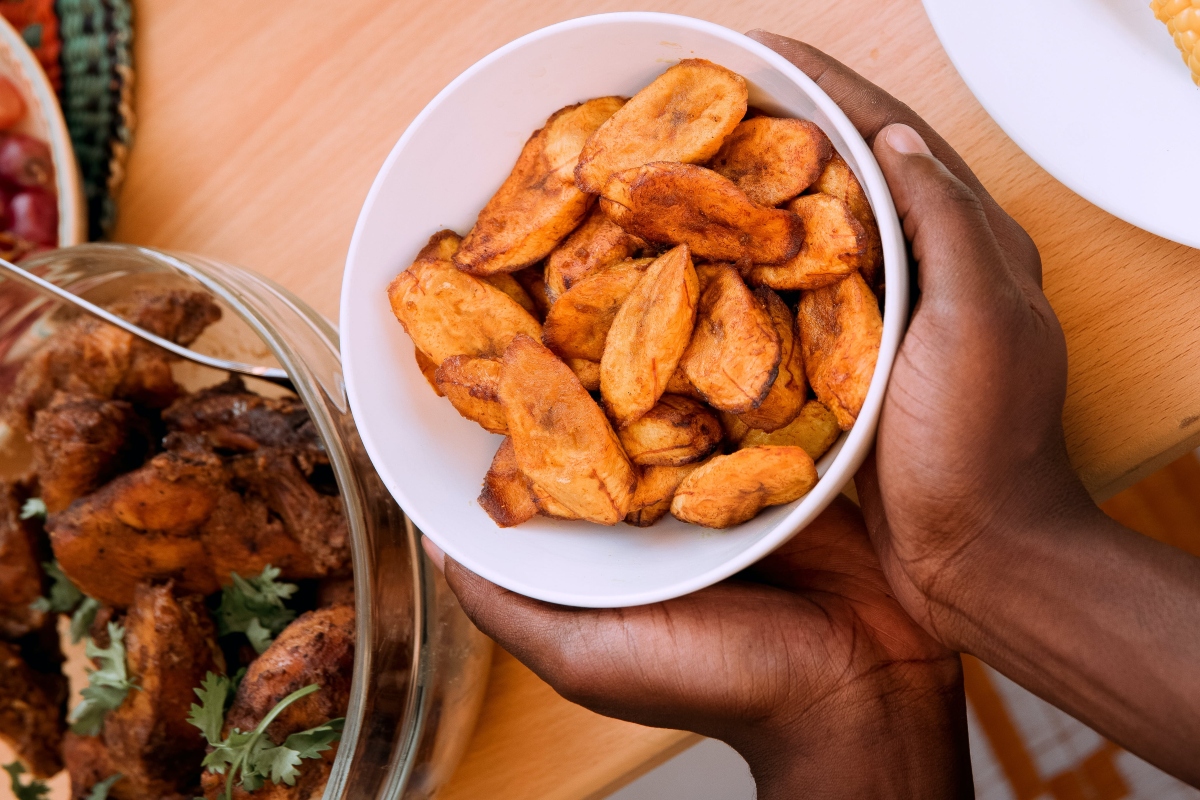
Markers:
261,126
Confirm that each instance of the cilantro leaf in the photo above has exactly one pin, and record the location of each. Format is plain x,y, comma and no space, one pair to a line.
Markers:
100,790
108,684
214,693
255,607
81,620
311,743
33,507
277,763
64,595
34,790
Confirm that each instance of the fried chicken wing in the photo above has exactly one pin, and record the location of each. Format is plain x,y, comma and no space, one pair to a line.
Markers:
318,647
32,717
89,356
170,646
80,442
21,554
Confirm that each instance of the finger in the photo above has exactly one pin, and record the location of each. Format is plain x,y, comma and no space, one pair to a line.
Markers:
871,109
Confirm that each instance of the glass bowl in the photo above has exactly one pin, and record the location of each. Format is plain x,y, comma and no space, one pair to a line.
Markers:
420,667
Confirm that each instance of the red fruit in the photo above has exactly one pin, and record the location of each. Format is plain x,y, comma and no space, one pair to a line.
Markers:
26,161
35,217
12,105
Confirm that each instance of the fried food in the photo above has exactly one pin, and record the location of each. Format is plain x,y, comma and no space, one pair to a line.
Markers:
815,429
80,442
734,428
839,181
667,204
448,312
648,337
428,368
32,719
21,556
677,431
835,244
472,386
507,494
538,204
840,333
597,243
734,354
171,643
533,281
563,441
587,371
773,160
679,384
729,490
578,323
506,283
656,487
789,389
683,115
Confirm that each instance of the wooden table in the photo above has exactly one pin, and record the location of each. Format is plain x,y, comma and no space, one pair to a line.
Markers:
262,124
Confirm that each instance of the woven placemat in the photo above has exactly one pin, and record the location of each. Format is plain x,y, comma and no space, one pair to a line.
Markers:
85,46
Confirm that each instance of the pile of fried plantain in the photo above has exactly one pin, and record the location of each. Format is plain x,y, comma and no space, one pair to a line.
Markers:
672,304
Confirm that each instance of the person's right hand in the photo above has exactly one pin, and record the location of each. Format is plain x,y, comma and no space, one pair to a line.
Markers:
984,531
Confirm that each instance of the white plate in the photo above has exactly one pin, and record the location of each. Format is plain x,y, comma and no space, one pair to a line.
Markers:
448,163
1093,90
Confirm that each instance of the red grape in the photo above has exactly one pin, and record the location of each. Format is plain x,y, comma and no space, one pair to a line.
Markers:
12,106
26,161
35,217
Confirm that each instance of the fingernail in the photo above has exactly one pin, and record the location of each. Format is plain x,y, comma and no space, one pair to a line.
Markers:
435,553
905,140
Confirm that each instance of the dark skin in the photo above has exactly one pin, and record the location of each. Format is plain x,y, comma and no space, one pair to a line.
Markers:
830,666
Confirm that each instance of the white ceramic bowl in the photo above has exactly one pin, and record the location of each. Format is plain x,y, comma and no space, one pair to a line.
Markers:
44,120
444,168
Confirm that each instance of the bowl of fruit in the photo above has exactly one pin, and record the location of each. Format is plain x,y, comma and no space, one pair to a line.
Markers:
41,197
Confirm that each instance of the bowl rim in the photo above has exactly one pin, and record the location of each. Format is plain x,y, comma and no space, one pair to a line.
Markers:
851,450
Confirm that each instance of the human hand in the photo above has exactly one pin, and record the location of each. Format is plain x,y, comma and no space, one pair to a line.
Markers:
805,664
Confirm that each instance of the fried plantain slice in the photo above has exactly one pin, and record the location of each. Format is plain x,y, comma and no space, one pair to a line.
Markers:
648,336
790,389
839,181
507,494
679,384
441,246
538,204
428,368
563,441
506,283
597,243
835,244
729,490
532,280
655,488
683,115
667,204
578,322
472,386
735,429
840,333
678,430
815,429
734,354
588,372
773,160
449,313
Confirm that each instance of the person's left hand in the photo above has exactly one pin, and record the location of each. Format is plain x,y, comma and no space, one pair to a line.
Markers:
805,664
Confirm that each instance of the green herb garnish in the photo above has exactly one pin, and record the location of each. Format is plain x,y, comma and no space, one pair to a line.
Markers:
65,598
33,507
254,606
107,686
100,790
34,790
251,757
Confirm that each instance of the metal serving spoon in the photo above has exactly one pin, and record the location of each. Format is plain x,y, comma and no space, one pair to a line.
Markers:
271,374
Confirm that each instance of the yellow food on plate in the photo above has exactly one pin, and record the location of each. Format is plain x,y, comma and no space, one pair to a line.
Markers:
835,244
506,283
648,336
683,115
815,429
597,243
428,368
1182,18
563,441
840,333
472,385
507,494
667,203
677,431
773,160
839,181
588,372
729,490
655,490
539,204
789,389
734,354
578,322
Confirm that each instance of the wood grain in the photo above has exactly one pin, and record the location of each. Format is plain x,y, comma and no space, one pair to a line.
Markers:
261,126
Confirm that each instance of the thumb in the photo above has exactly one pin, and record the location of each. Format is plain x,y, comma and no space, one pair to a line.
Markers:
957,254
